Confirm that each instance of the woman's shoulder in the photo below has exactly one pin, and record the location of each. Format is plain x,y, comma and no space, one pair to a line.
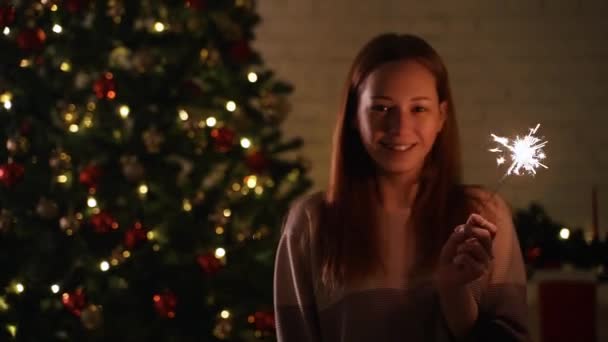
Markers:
309,201
303,213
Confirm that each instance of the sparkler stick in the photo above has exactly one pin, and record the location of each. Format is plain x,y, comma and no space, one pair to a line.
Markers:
525,154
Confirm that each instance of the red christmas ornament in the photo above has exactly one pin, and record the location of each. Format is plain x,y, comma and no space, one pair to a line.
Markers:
532,254
105,86
223,138
257,162
74,302
264,321
103,222
75,6
11,173
31,39
165,304
135,235
90,176
240,51
198,5
209,263
7,15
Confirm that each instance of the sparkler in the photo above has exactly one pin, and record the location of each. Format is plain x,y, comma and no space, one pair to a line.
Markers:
526,153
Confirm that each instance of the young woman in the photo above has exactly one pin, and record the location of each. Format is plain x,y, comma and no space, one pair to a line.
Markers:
397,248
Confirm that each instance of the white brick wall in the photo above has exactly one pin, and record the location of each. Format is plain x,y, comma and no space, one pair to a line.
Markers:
512,63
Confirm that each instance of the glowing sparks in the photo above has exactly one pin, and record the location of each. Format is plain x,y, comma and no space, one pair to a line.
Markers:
526,153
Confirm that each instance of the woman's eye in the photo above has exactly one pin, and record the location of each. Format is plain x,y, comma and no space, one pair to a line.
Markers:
419,109
380,108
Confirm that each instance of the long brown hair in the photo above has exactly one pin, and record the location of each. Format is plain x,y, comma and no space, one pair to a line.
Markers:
347,241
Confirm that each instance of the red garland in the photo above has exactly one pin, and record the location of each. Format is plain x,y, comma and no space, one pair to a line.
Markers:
90,176
223,138
165,304
31,40
198,5
103,222
11,173
7,15
209,263
240,51
105,87
135,235
74,302
257,162
264,321
76,6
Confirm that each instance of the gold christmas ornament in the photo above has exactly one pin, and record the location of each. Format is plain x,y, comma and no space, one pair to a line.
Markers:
274,107
120,58
70,223
132,169
116,10
223,328
119,254
6,220
246,4
199,198
210,56
47,209
229,28
17,145
186,166
153,139
194,23
144,60
92,317
60,161
82,80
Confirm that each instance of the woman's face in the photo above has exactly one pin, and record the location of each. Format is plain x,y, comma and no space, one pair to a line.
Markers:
399,115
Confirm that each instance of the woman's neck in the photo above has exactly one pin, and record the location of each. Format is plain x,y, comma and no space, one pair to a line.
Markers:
396,192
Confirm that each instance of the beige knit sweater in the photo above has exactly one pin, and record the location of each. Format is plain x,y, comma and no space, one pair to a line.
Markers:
395,305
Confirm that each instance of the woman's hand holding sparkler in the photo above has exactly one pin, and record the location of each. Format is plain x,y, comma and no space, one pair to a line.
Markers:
467,254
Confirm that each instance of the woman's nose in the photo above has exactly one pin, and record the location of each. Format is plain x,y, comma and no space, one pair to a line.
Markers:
397,121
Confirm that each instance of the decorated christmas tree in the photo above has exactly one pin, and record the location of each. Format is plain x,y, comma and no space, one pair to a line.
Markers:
144,178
